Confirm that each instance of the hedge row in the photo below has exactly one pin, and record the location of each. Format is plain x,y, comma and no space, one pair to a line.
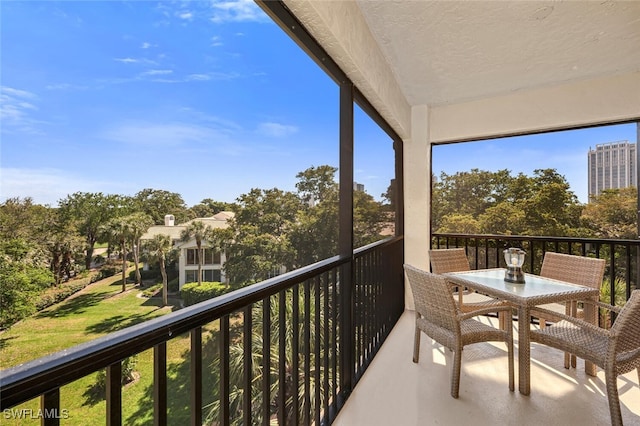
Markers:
54,295
193,293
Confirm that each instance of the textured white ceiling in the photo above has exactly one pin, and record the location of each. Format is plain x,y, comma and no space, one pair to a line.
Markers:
444,52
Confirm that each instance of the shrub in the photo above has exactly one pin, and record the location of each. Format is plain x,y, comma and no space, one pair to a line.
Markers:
151,291
108,271
150,274
97,390
58,294
620,297
193,293
173,285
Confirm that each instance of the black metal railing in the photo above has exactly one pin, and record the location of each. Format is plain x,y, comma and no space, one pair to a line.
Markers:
622,256
277,350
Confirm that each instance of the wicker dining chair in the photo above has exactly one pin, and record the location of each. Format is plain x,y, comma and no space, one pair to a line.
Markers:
439,317
616,351
455,260
581,270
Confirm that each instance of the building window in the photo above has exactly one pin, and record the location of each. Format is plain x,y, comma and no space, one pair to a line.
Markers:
191,276
211,257
212,275
208,275
192,257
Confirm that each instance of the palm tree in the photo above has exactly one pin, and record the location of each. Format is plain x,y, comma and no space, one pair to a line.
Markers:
293,378
118,230
160,246
138,225
196,230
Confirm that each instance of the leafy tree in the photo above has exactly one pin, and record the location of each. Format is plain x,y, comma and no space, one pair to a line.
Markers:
20,218
391,196
368,219
504,218
460,224
21,282
612,214
89,211
62,242
548,209
316,184
160,246
260,230
196,230
20,228
497,203
209,207
471,192
314,234
158,203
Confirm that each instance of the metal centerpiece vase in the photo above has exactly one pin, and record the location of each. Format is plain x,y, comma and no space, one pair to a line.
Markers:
514,258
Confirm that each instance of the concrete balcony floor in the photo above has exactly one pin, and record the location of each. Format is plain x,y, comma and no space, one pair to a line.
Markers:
395,391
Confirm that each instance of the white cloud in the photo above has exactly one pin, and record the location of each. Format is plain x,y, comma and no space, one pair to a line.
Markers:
66,86
44,186
276,129
216,41
156,72
198,77
237,10
128,60
9,91
185,15
162,134
145,45
16,107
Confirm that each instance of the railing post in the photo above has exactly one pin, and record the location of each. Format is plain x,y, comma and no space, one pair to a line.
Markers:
225,412
160,384
196,376
114,394
50,406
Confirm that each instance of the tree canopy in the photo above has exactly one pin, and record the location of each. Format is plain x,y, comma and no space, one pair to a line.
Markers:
275,230
499,203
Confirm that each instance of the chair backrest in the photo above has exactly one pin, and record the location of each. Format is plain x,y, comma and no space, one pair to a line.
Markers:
580,270
448,260
433,297
627,325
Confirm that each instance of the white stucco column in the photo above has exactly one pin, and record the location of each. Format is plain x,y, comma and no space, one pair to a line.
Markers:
417,179
181,268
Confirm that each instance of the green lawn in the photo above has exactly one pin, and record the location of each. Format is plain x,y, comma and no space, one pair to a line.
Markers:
99,309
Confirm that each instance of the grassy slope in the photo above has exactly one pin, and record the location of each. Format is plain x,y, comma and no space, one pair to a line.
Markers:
95,311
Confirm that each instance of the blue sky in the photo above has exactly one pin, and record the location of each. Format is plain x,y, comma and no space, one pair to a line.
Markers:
206,99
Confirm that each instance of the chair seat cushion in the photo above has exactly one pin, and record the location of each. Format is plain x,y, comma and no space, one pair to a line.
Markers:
583,342
474,331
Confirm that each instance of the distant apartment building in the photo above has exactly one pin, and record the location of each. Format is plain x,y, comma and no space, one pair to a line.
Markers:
213,260
612,165
358,186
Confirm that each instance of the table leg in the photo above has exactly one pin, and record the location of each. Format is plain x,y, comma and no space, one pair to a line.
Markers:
524,350
590,315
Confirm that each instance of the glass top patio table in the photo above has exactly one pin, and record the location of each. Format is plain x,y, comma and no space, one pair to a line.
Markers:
535,291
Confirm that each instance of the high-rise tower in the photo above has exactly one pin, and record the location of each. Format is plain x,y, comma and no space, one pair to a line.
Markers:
612,165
